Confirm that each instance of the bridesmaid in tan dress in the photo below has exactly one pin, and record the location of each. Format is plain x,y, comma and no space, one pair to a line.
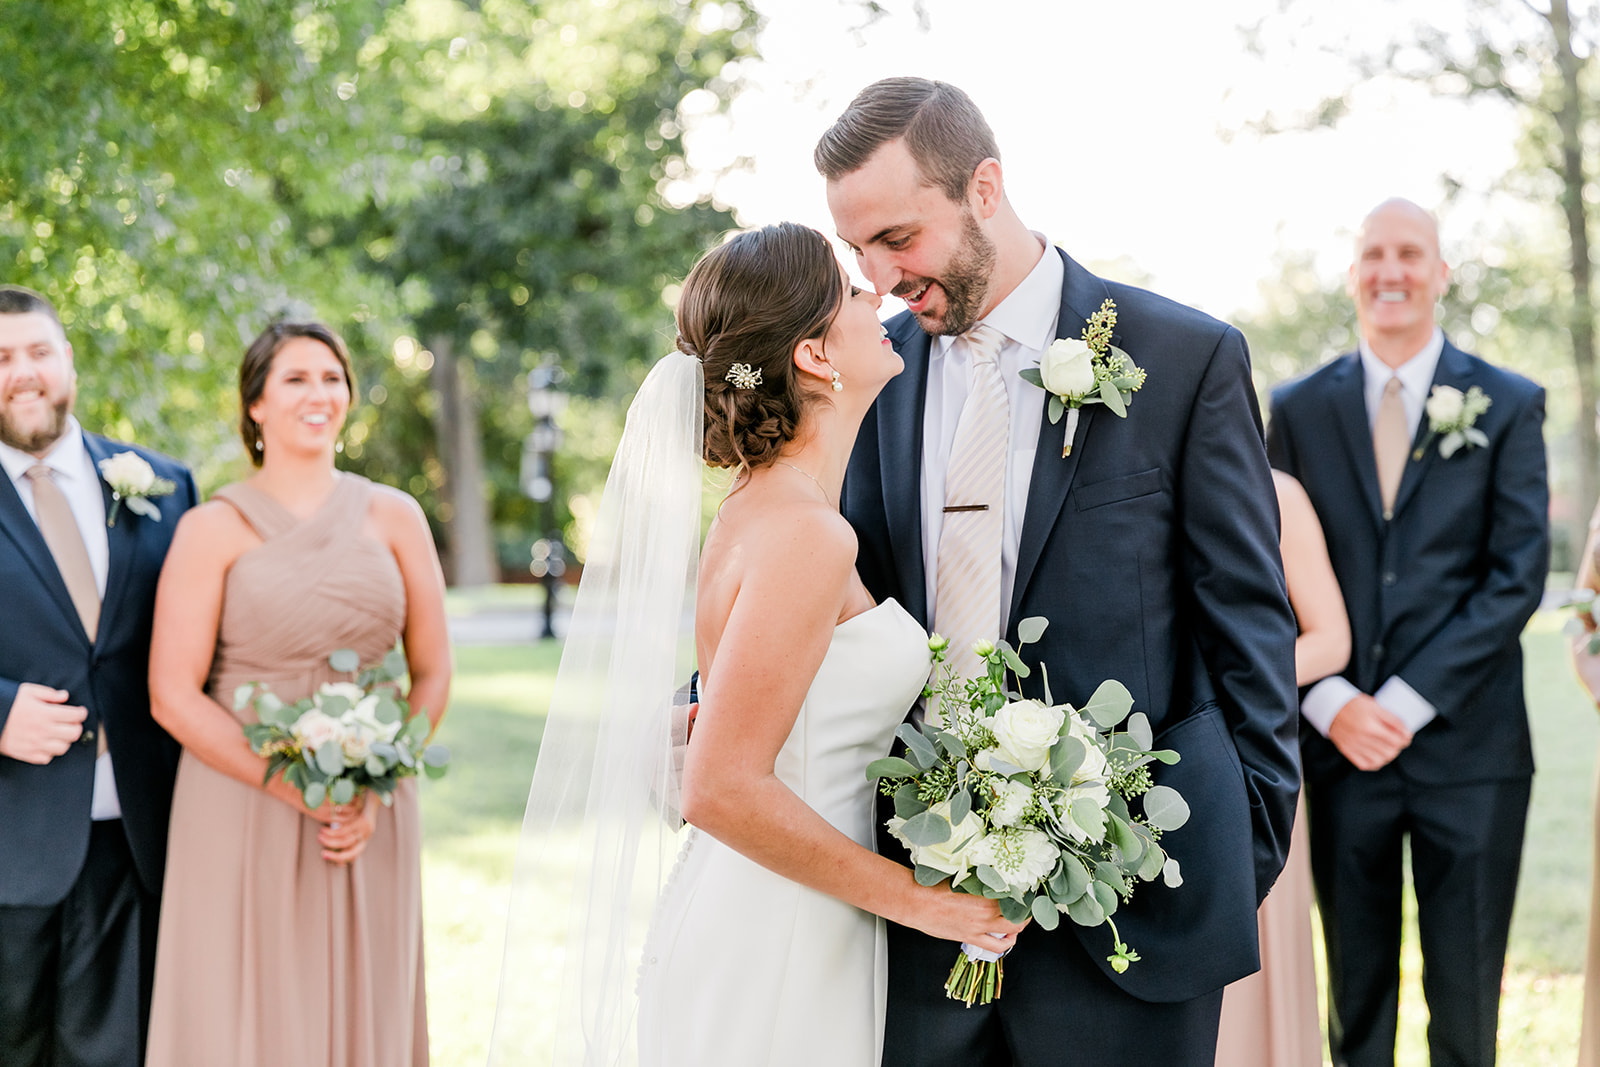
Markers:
1589,674
1270,1018
290,935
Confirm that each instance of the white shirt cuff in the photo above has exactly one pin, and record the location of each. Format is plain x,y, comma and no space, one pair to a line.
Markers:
1324,700
1405,703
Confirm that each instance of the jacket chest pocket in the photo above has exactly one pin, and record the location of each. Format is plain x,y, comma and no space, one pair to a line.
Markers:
1116,490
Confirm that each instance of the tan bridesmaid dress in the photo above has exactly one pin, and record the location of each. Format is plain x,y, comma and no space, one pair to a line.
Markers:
269,954
1270,1018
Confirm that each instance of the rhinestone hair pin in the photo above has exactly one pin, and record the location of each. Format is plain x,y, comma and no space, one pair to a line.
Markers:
743,376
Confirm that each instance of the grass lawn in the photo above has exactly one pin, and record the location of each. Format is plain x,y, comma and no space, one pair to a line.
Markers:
471,818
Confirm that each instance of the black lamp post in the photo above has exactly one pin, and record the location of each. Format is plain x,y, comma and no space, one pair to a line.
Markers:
545,401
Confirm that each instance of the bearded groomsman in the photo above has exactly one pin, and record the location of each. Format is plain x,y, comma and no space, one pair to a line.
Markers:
1427,469
1149,541
85,774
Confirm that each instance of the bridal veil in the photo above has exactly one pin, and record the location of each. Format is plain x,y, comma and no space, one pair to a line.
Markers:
600,832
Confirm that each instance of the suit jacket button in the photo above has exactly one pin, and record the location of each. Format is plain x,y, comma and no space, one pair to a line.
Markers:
87,737
1377,651
1389,577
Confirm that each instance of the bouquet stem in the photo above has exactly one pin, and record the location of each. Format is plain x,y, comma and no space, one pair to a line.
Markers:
975,979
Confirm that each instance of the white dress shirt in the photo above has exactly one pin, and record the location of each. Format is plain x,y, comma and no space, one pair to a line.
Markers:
1325,699
1027,317
79,482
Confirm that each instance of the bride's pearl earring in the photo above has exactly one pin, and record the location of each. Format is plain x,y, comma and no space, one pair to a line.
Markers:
838,386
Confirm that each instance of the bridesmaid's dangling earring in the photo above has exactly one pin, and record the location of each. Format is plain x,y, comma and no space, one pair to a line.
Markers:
838,386
259,445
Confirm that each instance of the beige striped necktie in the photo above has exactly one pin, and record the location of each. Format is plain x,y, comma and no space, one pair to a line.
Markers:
65,541
967,583
1391,440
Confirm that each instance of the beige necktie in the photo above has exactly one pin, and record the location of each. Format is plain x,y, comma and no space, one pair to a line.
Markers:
967,584
65,541
1391,440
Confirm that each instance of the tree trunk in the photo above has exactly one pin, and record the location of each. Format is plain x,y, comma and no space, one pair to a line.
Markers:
469,550
1569,120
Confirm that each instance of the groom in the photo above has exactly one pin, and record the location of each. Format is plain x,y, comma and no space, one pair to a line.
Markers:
85,774
1151,547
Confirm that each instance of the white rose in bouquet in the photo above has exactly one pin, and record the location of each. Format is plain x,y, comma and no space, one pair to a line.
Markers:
1094,764
1010,801
1023,858
315,729
1445,405
951,855
128,473
1082,811
1024,730
357,744
352,693
1067,368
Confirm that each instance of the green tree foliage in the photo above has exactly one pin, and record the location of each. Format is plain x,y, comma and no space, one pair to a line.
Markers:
543,236
491,177
147,151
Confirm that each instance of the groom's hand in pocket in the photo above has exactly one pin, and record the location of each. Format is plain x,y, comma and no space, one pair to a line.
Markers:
41,724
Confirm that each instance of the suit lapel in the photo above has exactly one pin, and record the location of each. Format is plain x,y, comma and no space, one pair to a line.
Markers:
1051,480
18,525
900,424
120,539
1454,370
1350,413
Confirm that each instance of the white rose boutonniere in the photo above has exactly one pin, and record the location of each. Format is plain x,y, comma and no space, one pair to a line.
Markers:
133,481
1451,414
1087,370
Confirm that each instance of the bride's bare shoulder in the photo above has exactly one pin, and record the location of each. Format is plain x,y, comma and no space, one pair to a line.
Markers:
772,548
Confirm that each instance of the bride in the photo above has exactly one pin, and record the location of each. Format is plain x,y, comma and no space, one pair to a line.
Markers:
762,946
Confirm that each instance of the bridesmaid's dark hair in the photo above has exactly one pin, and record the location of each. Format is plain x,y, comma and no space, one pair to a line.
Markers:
750,301
257,366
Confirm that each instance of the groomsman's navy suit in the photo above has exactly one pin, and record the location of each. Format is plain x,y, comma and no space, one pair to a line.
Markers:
1153,551
1438,596
49,849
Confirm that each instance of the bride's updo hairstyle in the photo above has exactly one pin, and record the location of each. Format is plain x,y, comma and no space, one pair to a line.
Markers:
750,301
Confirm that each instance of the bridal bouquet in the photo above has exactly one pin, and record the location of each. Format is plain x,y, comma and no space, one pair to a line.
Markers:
1046,808
345,737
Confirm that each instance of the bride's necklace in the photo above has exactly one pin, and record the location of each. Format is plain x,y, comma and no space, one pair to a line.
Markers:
813,478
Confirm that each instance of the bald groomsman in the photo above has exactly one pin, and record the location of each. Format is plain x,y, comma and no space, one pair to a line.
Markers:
1436,515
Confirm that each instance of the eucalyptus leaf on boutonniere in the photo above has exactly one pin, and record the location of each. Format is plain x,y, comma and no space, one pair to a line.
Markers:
1087,370
1451,414
133,482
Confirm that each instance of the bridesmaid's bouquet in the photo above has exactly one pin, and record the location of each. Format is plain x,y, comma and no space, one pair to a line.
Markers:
1046,808
345,737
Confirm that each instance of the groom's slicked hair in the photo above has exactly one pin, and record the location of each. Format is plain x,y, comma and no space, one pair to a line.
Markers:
20,300
944,131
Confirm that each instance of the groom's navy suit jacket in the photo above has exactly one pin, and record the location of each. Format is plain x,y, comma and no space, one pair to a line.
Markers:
44,810
1438,595
1153,551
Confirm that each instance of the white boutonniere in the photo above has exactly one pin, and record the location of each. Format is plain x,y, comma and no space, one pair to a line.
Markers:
133,481
1090,370
1451,414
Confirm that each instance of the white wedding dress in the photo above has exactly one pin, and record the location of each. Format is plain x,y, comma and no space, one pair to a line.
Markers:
744,968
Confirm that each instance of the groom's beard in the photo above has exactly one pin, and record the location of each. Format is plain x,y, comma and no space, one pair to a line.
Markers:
40,437
964,282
